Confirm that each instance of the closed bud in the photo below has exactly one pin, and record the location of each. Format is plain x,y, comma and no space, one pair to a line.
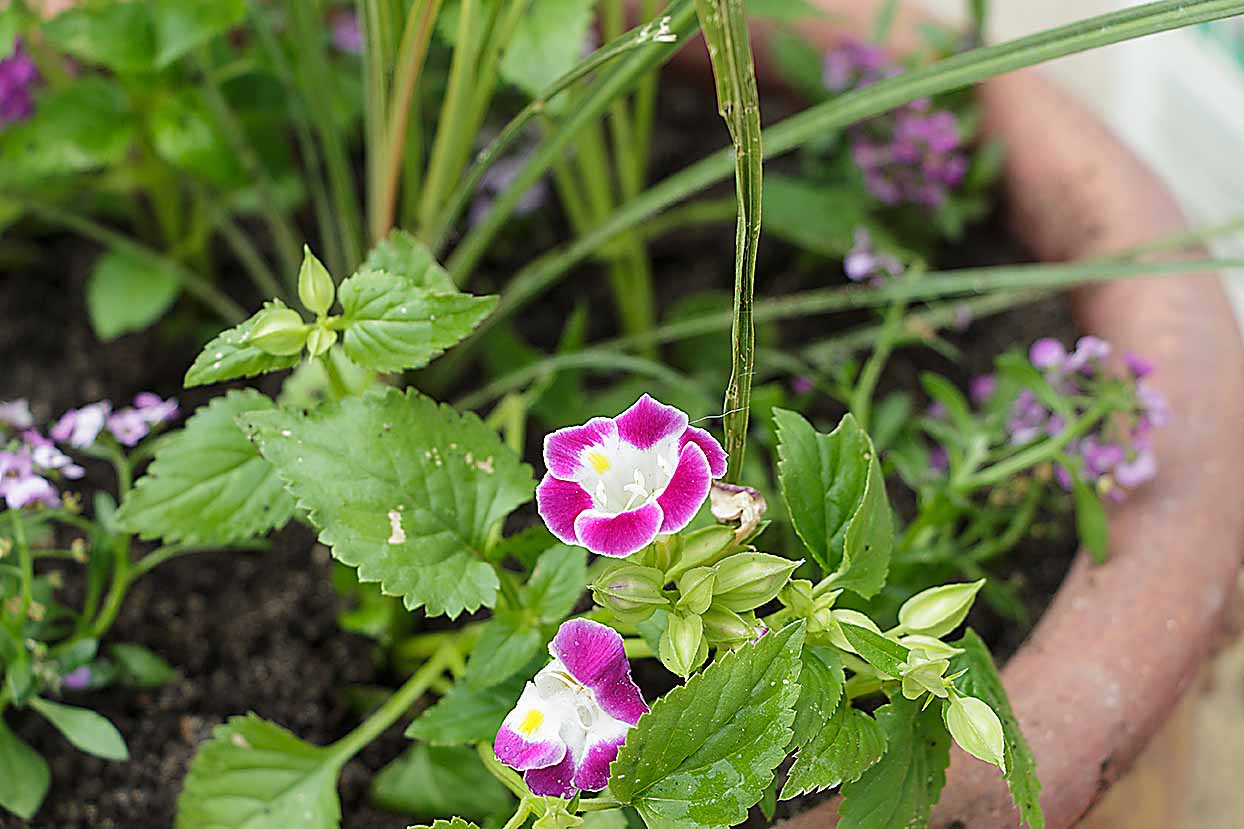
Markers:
922,674
851,617
938,610
976,728
730,503
935,648
696,589
631,591
315,285
682,647
727,629
748,580
320,340
278,331
702,548
797,595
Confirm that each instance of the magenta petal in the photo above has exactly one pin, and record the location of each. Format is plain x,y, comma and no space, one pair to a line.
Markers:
687,489
618,535
563,448
553,781
594,655
593,773
709,445
517,753
645,423
560,503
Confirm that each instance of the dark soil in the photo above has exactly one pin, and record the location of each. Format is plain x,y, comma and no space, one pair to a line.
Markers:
257,632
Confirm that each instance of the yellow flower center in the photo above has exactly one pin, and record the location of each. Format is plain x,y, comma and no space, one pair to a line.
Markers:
533,720
598,461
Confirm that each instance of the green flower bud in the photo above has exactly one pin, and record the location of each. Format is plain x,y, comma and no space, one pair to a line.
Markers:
682,647
797,595
279,331
320,340
976,728
748,580
696,589
851,617
315,285
727,629
631,591
938,610
702,548
922,674
935,648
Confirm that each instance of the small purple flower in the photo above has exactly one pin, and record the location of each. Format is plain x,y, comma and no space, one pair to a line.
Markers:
46,457
16,414
855,63
574,715
497,179
1089,352
863,263
1140,469
20,485
128,426
1047,353
347,36
1100,457
80,427
1155,410
18,74
614,484
155,409
1137,365
982,388
79,679
1028,418
937,411
801,384
939,460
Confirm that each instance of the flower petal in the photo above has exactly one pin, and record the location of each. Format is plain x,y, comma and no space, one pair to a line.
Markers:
593,772
645,423
687,489
617,536
529,737
553,781
711,448
563,449
560,503
593,654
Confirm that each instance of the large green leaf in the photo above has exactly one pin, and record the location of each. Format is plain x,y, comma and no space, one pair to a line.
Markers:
820,688
84,125
127,292
119,36
467,714
24,775
181,25
981,680
846,746
706,751
403,489
253,774
547,44
87,730
229,356
391,324
900,790
556,583
208,482
836,497
427,780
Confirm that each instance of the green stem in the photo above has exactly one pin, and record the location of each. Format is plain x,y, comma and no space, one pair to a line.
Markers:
25,562
116,591
891,328
600,804
520,814
1039,453
506,775
168,552
394,707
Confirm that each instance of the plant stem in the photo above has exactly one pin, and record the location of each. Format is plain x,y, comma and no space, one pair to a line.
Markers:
168,552
1031,456
25,563
394,707
600,804
506,775
891,328
520,814
116,592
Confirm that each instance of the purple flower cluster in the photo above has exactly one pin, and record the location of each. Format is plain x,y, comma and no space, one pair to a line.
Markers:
18,75
864,264
129,425
912,155
345,32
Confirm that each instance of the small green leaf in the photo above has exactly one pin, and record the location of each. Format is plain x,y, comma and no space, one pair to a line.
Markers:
901,789
845,747
401,254
392,324
127,293
884,654
182,25
981,680
183,134
1092,524
836,497
24,775
821,682
208,482
467,714
556,583
82,126
706,751
403,489
139,667
508,642
427,780
547,43
87,730
119,36
817,217
253,774
231,356
945,392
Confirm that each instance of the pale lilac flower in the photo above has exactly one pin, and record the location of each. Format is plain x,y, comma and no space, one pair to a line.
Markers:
1140,469
574,715
614,484
1028,418
1047,353
982,388
855,63
128,426
1089,352
78,679
863,263
17,75
937,410
80,427
45,456
156,409
20,485
1155,410
939,460
1137,365
16,414
346,36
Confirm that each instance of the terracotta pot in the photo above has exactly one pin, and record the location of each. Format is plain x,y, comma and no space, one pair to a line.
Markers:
1120,643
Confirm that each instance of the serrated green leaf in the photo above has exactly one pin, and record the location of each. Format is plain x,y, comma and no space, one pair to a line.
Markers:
846,746
547,43
835,494
24,775
427,780
207,481
403,489
981,680
85,729
253,774
391,324
706,751
820,688
229,356
884,654
401,254
466,714
181,25
139,667
509,641
79,127
899,791
126,292
119,36
556,583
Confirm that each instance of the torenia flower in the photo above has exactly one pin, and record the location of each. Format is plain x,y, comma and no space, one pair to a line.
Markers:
574,715
614,483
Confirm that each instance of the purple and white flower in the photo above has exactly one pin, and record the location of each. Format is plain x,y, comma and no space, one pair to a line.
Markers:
16,414
80,427
863,264
614,484
574,715
20,483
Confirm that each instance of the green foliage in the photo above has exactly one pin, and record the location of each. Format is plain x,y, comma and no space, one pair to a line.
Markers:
981,680
403,489
401,254
848,743
127,292
556,583
208,482
835,494
1092,523
821,682
547,43
231,355
705,753
884,654
117,36
453,823
900,789
80,127
509,641
256,775
184,135
24,775
87,730
428,780
818,218
467,714
182,25
139,667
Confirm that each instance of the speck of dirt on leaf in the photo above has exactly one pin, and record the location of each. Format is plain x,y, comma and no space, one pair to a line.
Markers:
397,535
